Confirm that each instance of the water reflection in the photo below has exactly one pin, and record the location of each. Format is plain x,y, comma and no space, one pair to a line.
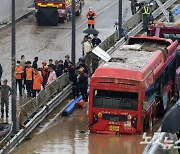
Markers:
70,135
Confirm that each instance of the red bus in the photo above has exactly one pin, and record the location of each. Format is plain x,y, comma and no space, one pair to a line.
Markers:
127,91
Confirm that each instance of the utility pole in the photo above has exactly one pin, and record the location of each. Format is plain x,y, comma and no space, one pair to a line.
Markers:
73,44
13,59
120,19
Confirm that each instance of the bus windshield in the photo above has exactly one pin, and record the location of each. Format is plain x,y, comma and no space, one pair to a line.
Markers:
115,99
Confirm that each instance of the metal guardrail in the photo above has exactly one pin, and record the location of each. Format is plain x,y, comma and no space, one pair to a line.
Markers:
41,104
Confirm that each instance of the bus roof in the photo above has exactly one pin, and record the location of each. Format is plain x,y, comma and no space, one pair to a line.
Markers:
129,60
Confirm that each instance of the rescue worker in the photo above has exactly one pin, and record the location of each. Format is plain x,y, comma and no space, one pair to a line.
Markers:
91,15
52,75
35,65
29,78
37,81
145,12
1,71
5,93
44,73
19,76
133,6
83,84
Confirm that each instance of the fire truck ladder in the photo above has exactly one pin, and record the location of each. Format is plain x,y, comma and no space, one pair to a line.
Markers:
165,12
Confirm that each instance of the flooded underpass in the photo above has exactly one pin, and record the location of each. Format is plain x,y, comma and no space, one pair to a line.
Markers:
71,135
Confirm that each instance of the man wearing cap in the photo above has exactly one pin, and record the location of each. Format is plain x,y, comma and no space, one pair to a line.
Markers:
91,15
29,78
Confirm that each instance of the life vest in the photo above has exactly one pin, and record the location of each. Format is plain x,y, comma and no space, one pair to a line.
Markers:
146,10
37,81
91,16
29,73
19,71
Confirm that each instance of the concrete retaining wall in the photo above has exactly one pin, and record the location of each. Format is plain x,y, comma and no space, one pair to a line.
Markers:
5,7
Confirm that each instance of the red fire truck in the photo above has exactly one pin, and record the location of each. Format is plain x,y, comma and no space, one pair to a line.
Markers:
136,84
63,7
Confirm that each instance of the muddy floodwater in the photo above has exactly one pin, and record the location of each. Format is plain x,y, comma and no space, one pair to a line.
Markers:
70,135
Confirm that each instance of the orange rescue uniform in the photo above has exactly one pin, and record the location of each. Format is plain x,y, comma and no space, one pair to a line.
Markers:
19,71
91,15
29,73
38,80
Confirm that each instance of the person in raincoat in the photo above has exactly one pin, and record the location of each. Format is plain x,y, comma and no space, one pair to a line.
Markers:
91,15
37,81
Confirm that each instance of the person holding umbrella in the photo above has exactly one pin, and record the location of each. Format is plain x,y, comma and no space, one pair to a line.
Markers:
91,15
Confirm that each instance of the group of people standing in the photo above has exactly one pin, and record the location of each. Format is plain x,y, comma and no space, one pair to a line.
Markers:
34,77
80,83
88,44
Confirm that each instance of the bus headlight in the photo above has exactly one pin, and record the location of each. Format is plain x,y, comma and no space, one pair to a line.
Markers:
129,117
